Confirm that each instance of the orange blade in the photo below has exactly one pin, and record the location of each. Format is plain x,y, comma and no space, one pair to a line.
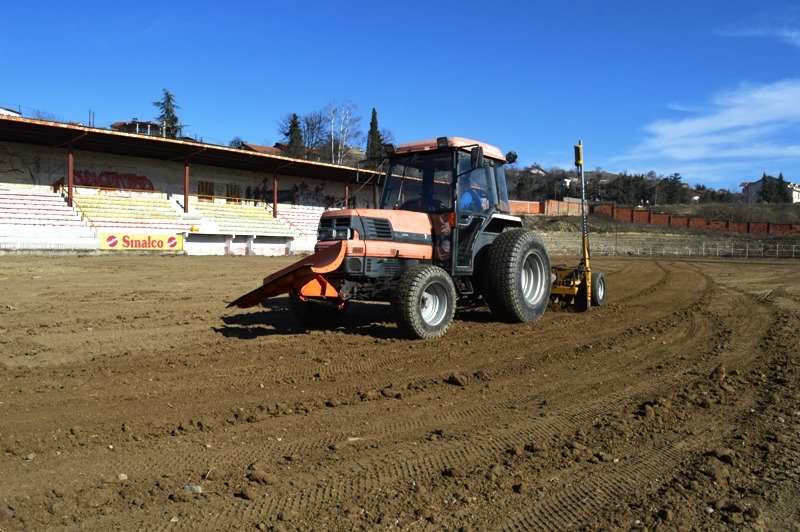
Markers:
294,277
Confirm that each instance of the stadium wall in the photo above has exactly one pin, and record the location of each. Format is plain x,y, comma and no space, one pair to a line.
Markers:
26,164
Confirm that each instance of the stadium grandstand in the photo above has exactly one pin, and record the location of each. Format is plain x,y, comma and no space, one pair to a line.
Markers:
67,187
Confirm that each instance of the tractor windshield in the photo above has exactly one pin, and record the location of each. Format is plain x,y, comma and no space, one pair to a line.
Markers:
420,181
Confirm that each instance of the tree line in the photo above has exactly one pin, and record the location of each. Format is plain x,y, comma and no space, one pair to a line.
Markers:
332,134
535,184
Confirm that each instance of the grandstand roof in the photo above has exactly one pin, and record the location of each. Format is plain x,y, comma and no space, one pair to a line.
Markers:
57,134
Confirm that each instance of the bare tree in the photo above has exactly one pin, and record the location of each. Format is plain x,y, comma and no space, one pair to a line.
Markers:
45,115
387,136
313,125
343,132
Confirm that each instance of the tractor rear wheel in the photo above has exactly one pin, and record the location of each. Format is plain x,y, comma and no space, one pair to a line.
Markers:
316,314
517,277
424,302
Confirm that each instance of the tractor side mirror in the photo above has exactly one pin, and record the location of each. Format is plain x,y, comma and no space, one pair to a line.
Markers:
476,157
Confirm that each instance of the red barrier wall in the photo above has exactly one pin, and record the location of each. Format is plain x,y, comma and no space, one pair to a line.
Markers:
696,223
627,214
739,227
641,217
679,221
784,229
562,208
604,209
526,207
660,218
623,213
717,225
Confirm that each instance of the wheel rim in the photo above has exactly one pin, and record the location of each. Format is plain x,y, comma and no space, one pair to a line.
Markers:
601,289
532,275
433,304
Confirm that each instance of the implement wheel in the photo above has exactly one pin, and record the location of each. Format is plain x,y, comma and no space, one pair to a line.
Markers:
598,289
424,302
517,277
598,292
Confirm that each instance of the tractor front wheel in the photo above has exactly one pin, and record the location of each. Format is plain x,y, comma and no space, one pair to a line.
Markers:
424,302
517,277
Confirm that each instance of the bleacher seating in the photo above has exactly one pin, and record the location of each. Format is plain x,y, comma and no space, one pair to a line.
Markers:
143,212
241,219
304,219
33,218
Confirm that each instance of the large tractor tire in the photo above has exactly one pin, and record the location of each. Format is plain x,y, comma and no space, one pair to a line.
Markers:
316,314
517,277
424,302
598,292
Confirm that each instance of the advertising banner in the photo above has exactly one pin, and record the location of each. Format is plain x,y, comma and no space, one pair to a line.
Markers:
140,242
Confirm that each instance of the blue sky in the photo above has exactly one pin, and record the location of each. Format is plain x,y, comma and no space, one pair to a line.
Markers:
708,89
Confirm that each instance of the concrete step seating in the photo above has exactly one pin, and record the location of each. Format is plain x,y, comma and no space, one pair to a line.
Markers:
242,219
32,210
304,219
135,213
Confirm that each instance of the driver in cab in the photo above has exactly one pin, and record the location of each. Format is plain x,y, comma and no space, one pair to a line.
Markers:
472,197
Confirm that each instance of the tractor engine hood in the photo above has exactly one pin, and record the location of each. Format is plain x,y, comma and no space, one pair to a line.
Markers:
378,233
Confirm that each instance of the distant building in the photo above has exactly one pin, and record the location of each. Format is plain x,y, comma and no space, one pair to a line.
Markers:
9,112
751,190
269,150
138,128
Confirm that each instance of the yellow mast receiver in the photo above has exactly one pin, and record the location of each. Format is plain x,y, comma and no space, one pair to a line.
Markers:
585,238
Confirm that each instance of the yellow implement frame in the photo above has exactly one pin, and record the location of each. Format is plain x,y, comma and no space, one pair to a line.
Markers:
567,281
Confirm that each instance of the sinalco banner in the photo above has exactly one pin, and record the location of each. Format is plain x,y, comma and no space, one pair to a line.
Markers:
140,242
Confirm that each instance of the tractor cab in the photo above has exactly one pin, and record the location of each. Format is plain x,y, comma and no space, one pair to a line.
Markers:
461,185
437,176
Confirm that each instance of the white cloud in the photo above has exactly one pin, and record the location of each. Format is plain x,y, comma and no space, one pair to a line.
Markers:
789,36
753,126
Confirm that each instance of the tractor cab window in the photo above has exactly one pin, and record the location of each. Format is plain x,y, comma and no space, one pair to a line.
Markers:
419,182
503,204
474,190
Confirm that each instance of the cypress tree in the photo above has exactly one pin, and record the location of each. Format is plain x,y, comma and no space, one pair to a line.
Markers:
295,147
374,139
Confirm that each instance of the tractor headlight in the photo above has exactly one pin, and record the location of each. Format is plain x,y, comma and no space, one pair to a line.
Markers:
334,233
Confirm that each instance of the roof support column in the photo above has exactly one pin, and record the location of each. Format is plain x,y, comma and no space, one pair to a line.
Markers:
275,194
70,173
346,194
186,185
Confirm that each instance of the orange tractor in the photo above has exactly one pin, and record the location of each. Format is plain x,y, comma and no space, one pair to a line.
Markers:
443,235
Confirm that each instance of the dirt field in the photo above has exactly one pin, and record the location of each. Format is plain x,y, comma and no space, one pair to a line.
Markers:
131,398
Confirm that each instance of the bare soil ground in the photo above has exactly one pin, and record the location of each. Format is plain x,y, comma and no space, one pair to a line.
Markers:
131,398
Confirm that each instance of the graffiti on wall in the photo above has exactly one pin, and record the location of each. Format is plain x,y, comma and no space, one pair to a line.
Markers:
88,178
30,170
301,194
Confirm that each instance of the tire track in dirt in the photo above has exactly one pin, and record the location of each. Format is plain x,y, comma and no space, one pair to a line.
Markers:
576,420
431,463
